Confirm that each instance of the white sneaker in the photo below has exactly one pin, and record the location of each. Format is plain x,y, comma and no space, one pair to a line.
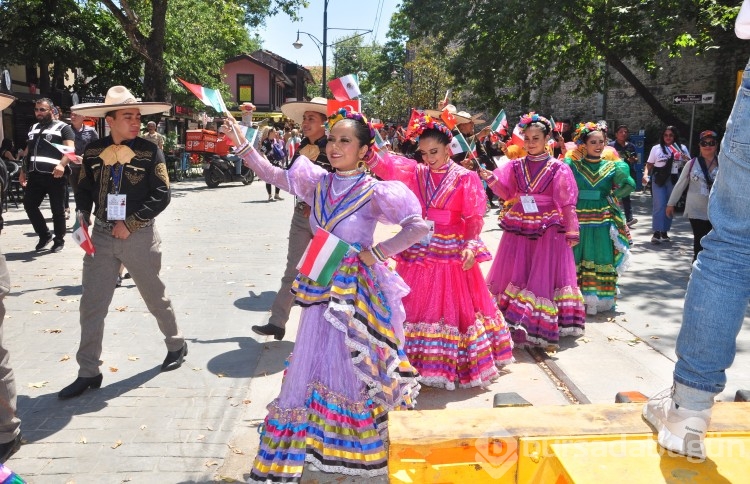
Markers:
679,430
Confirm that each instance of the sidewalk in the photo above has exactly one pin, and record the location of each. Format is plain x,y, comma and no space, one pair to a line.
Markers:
224,253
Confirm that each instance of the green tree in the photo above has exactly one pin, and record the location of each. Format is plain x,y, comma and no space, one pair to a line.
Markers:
119,41
507,50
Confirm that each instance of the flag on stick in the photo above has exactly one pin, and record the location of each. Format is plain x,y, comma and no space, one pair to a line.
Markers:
413,122
344,88
209,97
459,145
348,104
448,118
81,235
517,137
379,141
500,124
322,257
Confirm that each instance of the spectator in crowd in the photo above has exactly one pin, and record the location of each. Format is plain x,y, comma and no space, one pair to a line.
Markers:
629,155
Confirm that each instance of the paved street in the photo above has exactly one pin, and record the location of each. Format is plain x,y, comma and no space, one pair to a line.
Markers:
224,252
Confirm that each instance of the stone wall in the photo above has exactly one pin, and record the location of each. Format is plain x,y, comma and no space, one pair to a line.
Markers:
714,71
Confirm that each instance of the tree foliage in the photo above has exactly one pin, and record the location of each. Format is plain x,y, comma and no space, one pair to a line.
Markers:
511,49
142,44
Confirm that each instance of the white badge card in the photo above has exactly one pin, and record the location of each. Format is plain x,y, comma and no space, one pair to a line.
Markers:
529,204
675,168
116,205
426,239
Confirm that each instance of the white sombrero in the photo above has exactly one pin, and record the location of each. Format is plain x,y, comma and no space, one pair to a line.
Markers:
118,97
461,116
296,109
6,100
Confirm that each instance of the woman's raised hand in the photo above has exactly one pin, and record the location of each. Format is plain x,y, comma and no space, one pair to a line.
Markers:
231,128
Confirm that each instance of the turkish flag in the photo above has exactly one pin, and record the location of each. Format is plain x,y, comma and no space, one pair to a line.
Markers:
448,118
349,105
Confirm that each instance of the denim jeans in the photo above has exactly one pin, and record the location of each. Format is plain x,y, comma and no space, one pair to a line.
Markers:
660,195
719,289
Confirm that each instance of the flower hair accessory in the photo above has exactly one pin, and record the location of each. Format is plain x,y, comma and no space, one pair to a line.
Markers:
531,118
583,130
346,114
424,122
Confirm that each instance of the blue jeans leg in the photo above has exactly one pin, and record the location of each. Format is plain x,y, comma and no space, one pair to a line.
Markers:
660,195
719,288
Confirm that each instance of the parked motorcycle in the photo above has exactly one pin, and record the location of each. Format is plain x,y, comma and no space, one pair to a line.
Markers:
221,169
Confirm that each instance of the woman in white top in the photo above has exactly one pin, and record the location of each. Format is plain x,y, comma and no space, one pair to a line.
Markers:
698,177
663,165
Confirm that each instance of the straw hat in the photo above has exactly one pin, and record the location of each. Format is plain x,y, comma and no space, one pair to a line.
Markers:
118,97
296,109
461,116
6,100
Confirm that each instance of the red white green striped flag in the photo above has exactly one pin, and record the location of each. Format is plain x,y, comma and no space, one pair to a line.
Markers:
344,88
379,141
81,235
500,124
459,145
208,96
322,257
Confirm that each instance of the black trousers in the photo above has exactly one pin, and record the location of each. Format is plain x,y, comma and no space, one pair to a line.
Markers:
627,206
39,185
701,228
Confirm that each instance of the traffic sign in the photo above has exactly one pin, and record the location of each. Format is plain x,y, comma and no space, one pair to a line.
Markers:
707,98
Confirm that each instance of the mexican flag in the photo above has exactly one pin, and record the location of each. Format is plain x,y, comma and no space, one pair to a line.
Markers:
322,257
209,97
500,124
459,145
344,88
81,235
379,141
517,137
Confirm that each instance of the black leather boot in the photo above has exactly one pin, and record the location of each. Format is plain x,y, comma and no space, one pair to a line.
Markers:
79,386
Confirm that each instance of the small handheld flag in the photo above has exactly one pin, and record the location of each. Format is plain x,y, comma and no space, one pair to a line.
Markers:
81,235
322,257
459,145
500,124
349,104
344,88
209,97
448,118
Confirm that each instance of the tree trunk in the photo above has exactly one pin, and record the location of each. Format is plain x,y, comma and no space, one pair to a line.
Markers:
155,76
666,116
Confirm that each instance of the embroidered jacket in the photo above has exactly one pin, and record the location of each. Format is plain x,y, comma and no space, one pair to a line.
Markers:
144,180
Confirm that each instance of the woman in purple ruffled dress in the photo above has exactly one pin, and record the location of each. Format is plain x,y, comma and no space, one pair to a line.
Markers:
348,368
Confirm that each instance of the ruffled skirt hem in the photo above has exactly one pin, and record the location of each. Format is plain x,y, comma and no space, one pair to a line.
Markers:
538,321
334,433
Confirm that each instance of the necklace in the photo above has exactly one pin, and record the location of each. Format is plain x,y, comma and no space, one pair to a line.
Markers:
347,172
593,159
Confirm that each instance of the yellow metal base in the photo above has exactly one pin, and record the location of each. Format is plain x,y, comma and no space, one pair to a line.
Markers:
559,445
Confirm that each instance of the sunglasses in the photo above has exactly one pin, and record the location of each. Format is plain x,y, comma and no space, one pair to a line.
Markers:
708,143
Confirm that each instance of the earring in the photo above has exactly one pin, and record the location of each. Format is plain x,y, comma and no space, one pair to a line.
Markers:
361,165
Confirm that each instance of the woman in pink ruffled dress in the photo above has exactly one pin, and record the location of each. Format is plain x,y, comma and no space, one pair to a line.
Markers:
534,272
348,368
454,330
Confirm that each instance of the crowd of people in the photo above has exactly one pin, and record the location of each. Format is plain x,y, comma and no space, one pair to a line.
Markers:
371,332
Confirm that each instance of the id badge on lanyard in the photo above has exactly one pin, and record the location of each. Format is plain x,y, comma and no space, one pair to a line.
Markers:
116,203
426,239
529,204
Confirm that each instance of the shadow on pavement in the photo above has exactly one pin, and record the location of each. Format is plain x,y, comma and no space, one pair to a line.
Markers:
240,363
256,302
45,415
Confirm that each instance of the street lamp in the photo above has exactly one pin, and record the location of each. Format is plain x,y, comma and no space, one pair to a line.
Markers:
322,46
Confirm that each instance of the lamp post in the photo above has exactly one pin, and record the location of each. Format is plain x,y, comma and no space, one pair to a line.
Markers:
323,46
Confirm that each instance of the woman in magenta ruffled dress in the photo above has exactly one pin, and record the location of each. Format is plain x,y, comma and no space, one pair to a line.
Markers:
534,272
454,330
348,367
